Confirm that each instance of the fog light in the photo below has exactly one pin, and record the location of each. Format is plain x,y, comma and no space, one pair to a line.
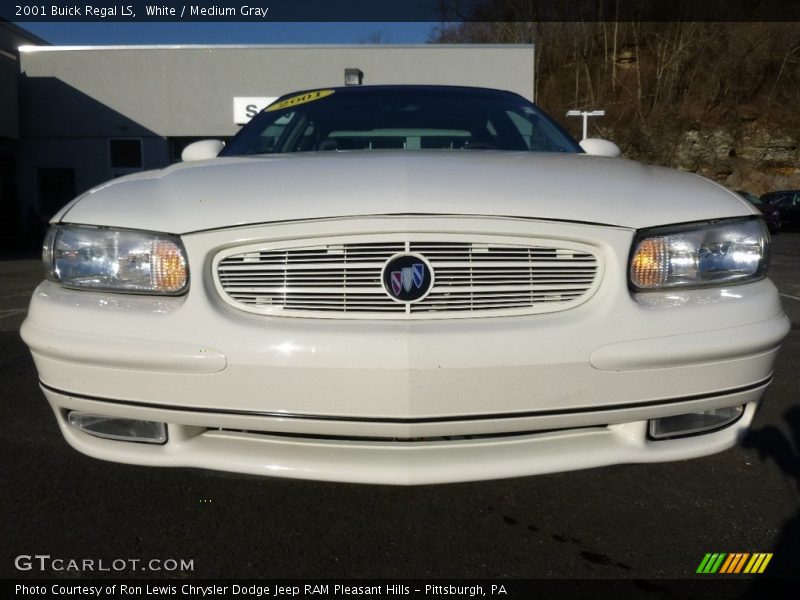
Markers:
694,423
112,428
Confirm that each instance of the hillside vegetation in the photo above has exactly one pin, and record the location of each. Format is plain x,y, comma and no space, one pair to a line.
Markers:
720,99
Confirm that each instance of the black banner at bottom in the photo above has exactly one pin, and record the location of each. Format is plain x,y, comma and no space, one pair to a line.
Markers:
511,589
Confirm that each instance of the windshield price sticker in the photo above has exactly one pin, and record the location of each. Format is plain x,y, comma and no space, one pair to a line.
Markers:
301,99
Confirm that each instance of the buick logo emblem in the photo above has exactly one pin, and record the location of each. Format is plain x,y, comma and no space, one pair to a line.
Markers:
407,277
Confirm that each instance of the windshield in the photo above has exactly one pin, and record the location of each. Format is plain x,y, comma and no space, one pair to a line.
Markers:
401,119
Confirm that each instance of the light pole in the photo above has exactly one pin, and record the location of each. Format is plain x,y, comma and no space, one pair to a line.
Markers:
585,114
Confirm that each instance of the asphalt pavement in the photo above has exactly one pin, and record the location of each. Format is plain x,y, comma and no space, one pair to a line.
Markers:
629,521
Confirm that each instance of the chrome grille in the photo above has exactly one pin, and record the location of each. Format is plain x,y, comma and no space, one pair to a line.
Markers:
471,278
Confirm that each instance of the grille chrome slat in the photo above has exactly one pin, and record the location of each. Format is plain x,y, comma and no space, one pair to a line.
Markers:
471,278
303,265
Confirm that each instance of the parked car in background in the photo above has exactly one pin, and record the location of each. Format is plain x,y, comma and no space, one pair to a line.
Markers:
772,216
405,285
788,204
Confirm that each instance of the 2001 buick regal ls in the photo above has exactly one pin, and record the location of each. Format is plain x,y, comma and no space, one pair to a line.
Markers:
405,285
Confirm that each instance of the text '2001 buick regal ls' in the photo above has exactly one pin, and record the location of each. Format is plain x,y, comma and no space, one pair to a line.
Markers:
405,285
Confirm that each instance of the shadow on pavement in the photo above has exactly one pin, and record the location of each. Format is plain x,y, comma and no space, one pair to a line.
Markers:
773,444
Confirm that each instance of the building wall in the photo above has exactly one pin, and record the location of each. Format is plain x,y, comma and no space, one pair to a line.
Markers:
75,100
9,117
11,37
12,233
9,145
189,91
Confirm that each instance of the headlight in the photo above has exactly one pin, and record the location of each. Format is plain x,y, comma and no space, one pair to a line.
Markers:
116,260
700,255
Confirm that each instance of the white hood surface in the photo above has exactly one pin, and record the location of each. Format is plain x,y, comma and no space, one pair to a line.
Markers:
227,192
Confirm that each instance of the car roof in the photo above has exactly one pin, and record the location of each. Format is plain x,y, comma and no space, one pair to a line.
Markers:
394,89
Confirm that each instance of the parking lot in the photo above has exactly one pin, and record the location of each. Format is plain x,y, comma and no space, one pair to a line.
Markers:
628,521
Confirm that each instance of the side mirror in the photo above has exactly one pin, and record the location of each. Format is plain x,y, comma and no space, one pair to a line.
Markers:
202,150
598,147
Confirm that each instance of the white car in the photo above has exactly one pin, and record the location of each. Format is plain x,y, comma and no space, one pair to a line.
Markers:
405,285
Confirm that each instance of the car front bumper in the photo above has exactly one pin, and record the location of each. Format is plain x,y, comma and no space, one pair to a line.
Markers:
405,402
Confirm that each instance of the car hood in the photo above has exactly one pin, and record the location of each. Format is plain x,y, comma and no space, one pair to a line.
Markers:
226,192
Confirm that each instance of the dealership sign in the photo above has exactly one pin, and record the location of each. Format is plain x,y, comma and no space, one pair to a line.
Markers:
245,108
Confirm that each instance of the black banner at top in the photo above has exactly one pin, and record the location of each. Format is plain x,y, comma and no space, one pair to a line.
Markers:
398,10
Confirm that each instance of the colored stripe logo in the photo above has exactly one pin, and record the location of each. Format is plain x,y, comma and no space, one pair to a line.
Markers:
734,563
